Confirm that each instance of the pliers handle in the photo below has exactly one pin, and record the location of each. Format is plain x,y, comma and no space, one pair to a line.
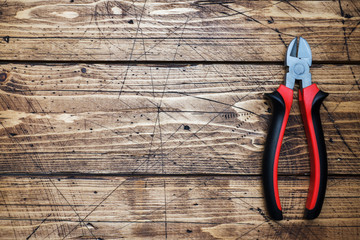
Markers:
310,99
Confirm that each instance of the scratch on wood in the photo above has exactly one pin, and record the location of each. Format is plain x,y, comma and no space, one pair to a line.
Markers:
338,131
87,215
292,5
132,49
35,229
165,211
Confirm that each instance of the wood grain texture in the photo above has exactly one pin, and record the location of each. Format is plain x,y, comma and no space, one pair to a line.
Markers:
166,119
173,208
147,119
176,30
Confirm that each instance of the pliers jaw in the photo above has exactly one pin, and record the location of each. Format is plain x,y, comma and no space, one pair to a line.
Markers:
299,62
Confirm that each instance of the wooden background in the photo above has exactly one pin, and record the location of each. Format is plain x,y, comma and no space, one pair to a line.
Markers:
147,119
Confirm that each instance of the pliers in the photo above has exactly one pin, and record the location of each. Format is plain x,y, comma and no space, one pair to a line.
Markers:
298,62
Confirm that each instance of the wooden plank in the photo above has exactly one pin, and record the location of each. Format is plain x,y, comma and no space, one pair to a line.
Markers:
169,119
172,30
172,207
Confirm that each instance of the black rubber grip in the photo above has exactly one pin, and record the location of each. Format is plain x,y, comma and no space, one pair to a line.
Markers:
315,114
278,113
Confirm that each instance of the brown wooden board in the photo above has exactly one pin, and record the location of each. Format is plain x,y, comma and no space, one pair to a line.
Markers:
165,119
147,119
208,30
170,207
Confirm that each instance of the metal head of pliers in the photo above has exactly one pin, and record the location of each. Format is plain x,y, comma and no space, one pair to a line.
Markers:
299,61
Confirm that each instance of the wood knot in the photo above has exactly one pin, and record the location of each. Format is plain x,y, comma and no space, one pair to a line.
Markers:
3,77
6,39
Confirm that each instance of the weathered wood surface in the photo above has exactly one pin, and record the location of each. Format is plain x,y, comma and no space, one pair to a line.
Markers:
210,30
172,207
99,147
165,119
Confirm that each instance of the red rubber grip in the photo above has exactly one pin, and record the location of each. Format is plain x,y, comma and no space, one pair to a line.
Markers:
281,104
306,98
287,95
310,99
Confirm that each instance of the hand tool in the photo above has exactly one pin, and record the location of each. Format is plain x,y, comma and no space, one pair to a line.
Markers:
298,62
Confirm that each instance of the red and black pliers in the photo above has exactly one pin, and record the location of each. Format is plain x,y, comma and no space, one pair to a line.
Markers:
298,61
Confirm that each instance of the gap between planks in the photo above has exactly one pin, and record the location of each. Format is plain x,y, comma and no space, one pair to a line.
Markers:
154,62
154,175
